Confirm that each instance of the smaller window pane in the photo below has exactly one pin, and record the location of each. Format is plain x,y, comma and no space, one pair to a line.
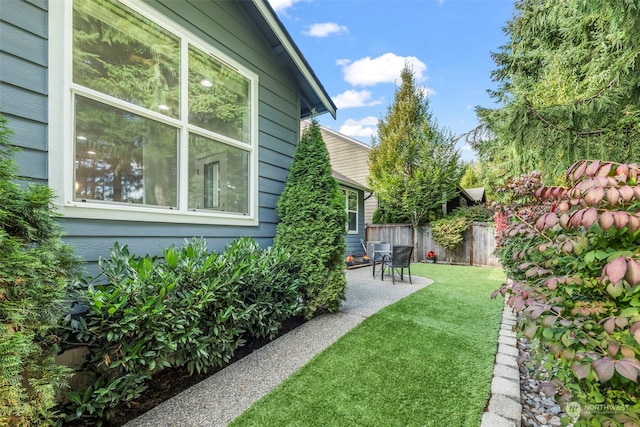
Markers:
353,221
211,185
123,157
352,200
119,52
218,97
218,176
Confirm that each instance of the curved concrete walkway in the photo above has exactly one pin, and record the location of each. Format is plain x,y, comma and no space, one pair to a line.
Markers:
223,396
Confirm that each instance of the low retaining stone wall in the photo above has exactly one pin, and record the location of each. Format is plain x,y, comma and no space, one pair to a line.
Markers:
504,408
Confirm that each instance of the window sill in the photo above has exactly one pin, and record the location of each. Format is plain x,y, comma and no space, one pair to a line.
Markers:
141,214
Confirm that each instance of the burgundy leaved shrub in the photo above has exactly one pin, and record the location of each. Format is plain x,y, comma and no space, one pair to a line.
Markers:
577,284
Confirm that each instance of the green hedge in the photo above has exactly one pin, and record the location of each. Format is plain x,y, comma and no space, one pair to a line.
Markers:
190,308
35,268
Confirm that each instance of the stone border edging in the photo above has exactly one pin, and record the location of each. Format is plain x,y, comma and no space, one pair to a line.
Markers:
504,409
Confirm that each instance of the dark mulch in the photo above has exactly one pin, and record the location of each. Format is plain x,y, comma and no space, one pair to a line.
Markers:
170,382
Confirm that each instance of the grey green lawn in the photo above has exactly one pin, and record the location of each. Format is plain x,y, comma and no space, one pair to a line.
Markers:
424,361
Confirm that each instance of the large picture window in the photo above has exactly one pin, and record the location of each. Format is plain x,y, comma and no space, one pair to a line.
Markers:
160,120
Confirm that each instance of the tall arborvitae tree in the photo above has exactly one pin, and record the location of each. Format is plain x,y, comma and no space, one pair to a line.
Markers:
35,269
413,166
312,224
569,88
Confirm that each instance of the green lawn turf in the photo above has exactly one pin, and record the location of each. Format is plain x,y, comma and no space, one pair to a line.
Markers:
424,361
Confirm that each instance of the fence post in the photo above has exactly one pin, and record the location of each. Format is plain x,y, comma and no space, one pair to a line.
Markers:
471,244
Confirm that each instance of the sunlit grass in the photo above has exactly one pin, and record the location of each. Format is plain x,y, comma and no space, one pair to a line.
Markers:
424,361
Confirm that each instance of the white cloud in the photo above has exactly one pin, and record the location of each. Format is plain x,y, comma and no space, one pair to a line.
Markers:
325,29
282,5
428,91
383,69
366,127
355,98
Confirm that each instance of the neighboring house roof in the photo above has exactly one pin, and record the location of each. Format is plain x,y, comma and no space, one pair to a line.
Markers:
476,194
345,180
313,97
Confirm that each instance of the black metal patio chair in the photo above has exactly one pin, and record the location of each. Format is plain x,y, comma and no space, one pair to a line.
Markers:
399,259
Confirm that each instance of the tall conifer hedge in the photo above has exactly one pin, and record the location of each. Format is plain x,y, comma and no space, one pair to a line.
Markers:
35,269
312,224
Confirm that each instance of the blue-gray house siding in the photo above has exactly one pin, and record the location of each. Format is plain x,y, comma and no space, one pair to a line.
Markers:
354,238
353,242
232,27
23,82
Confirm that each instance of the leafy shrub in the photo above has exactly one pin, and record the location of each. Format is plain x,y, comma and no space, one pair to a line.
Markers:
581,296
516,202
480,213
312,225
35,270
508,253
449,232
378,216
190,309
268,283
389,216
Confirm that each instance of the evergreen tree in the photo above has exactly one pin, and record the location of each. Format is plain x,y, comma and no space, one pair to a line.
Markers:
471,177
35,269
569,88
312,224
413,166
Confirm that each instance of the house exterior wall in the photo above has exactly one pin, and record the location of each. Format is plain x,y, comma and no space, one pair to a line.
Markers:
350,158
24,99
353,240
23,82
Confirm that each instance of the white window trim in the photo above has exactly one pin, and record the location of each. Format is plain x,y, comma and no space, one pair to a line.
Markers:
357,211
60,129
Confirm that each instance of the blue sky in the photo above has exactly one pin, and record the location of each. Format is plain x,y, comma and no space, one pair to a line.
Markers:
357,48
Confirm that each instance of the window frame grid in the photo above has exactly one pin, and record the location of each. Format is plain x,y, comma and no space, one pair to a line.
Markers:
62,127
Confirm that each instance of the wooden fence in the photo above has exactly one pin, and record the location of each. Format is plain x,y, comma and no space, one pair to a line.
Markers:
476,249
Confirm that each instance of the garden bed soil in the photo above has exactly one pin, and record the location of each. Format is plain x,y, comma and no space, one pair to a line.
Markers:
172,381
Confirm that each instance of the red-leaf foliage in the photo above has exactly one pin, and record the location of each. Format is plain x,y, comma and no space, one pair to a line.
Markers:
573,256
